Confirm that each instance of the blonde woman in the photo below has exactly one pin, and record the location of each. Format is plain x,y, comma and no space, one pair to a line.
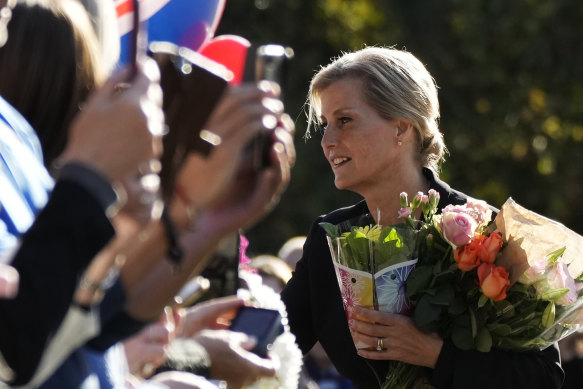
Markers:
378,112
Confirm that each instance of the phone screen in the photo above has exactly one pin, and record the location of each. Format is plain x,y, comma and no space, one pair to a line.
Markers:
255,321
263,324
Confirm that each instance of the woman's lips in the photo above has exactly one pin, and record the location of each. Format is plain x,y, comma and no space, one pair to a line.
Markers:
338,161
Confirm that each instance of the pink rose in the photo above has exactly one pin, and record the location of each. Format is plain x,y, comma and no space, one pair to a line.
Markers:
458,227
480,210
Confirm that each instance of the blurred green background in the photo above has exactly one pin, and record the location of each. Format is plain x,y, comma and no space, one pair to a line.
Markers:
510,77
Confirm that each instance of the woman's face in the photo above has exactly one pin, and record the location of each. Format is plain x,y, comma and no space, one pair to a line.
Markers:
360,145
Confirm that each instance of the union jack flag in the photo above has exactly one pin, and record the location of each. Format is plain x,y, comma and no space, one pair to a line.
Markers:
188,23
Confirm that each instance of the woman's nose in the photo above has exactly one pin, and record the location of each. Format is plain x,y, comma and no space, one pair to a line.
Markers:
328,138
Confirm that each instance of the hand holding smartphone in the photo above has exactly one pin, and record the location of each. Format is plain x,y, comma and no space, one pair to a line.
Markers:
271,63
263,324
192,86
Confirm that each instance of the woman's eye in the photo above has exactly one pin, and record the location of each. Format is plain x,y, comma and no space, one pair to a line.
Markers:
322,127
344,119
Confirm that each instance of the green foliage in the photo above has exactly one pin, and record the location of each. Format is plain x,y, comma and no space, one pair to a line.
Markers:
511,94
331,229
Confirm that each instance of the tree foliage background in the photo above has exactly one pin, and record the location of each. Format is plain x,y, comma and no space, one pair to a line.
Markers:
510,75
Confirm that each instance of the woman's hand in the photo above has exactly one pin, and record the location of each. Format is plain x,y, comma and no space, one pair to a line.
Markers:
230,359
252,194
240,114
207,315
147,350
119,130
401,340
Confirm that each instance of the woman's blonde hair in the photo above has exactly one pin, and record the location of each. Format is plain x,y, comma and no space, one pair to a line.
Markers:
397,85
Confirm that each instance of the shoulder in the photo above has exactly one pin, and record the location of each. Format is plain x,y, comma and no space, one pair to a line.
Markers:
448,195
345,213
351,215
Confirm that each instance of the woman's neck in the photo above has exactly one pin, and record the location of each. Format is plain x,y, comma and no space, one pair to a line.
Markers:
383,201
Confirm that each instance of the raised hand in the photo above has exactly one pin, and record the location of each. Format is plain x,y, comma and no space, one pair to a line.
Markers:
230,359
120,127
241,114
206,315
252,194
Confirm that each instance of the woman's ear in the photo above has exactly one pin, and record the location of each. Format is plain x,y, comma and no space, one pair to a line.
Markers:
404,131
404,128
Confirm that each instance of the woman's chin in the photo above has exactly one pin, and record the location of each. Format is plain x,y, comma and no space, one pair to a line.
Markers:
341,184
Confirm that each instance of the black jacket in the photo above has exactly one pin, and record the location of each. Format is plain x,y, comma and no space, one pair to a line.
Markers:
64,238
315,311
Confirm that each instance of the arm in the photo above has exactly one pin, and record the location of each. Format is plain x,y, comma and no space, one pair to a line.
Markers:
74,225
238,197
66,235
250,197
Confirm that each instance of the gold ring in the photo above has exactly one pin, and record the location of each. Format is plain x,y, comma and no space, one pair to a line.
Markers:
380,345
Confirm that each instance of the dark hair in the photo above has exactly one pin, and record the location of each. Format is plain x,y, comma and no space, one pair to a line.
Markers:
48,67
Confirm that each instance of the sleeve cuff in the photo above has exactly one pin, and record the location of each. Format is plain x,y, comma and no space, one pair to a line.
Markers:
92,181
443,373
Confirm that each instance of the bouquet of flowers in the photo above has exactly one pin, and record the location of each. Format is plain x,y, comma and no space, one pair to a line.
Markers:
513,284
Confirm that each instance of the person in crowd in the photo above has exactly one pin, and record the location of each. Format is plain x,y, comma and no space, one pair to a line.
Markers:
378,112
251,202
291,251
317,365
73,77
274,272
83,192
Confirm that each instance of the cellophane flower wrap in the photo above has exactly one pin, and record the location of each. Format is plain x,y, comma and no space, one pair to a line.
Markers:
512,284
373,262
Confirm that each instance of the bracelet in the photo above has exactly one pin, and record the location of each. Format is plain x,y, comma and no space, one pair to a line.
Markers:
98,289
175,252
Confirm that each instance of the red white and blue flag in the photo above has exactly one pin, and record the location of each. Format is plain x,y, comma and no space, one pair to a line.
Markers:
189,23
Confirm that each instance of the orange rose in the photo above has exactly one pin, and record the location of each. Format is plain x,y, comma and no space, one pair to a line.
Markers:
467,256
493,281
490,248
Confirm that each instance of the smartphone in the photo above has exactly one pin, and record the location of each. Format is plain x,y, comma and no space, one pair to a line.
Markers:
192,291
192,85
271,62
264,324
135,39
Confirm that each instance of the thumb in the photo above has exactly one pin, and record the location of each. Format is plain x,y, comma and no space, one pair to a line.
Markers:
249,343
